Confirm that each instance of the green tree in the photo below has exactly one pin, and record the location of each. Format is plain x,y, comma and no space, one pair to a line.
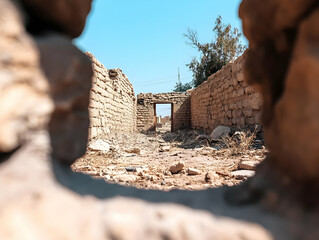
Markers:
180,87
225,47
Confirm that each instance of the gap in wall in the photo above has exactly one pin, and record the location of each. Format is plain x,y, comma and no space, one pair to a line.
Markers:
163,117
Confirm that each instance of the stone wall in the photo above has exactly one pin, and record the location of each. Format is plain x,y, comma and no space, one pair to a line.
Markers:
112,102
225,99
180,104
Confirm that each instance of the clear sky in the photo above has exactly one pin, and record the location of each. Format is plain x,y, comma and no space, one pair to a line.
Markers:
145,37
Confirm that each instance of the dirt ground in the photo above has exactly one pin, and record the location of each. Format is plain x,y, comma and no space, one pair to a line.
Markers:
145,160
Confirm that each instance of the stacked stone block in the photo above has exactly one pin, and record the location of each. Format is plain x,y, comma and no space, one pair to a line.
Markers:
112,102
181,109
225,99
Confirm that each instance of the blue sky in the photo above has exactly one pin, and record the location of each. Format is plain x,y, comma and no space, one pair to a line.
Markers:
145,37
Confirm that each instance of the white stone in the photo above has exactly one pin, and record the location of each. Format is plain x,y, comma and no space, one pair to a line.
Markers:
242,174
99,145
165,149
193,171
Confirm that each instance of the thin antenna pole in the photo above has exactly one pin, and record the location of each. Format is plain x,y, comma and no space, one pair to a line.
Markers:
179,76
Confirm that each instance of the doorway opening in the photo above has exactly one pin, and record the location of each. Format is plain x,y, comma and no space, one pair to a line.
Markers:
163,117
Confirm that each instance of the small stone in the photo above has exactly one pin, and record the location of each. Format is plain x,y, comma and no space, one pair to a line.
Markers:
107,177
163,183
248,165
242,174
165,149
125,178
131,169
134,150
211,176
219,132
176,167
193,171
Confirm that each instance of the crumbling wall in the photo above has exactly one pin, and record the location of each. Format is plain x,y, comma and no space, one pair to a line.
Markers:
225,99
181,109
112,102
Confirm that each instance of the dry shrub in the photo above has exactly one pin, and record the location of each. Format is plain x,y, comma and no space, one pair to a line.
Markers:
239,143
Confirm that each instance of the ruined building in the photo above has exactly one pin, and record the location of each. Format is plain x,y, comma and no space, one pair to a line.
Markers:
224,99
45,89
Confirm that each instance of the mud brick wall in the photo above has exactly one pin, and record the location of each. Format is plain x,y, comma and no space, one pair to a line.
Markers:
112,102
225,99
181,118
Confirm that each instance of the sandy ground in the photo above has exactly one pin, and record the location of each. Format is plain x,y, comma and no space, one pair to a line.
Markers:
144,161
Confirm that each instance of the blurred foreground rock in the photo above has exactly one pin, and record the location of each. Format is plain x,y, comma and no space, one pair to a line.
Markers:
68,16
24,91
283,63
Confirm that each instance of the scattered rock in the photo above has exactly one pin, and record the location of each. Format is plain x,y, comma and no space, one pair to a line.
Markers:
131,169
193,171
211,177
242,174
248,165
165,149
163,183
99,145
176,167
125,178
219,132
107,177
133,150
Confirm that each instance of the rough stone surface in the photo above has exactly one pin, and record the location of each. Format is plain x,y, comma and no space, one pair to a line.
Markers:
42,15
219,132
112,102
32,210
